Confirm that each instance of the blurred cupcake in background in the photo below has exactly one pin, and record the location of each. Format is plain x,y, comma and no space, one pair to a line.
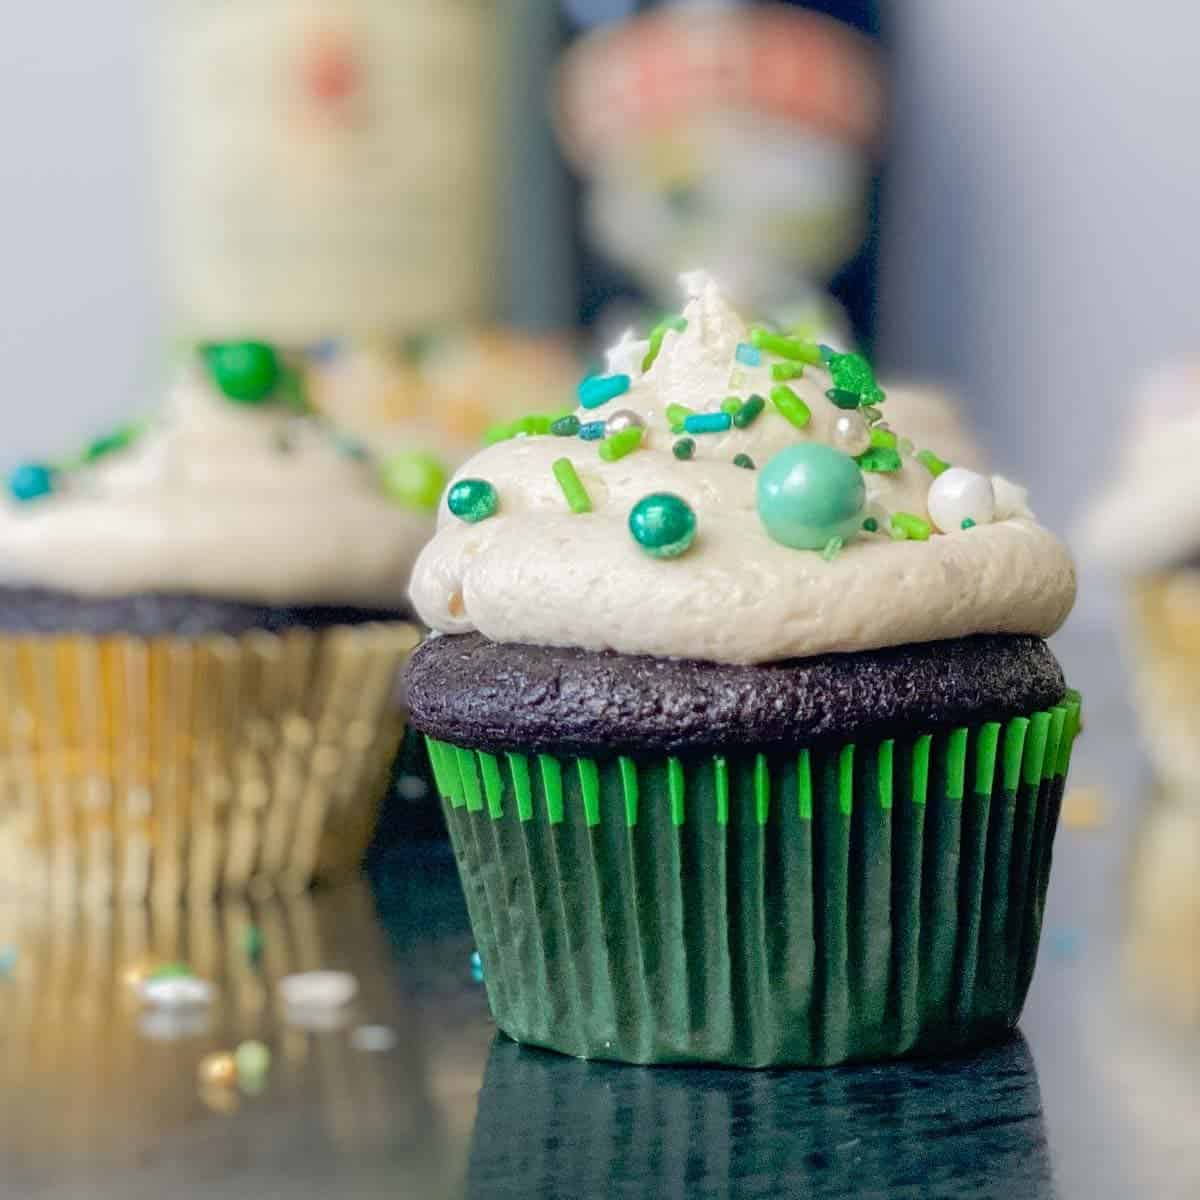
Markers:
441,394
202,618
1145,528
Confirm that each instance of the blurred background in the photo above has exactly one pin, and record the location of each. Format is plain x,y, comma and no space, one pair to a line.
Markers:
1033,249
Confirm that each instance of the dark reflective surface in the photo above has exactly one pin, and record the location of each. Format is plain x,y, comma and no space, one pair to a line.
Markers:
1099,1097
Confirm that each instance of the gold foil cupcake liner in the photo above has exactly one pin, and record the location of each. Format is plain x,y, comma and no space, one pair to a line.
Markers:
165,768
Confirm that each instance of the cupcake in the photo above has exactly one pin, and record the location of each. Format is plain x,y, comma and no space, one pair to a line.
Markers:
751,747
201,620
1144,529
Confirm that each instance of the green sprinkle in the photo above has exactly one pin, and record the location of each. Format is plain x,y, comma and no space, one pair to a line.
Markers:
684,449
791,406
589,785
578,500
762,789
884,439
414,480
743,460
934,465
677,414
518,764
679,324
534,425
675,789
843,399
879,459
852,373
621,444
782,372
473,500
749,412
833,548
629,783
495,434
552,787
731,404
110,443
871,525
721,787
252,944
253,1061
567,426
968,523
916,529
789,348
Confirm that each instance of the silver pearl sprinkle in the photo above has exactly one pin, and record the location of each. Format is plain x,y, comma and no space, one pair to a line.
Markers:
851,435
623,419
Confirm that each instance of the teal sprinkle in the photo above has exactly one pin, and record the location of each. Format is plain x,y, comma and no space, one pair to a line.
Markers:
596,390
750,356
743,460
833,548
827,352
684,449
968,523
567,426
717,422
31,481
476,967
593,431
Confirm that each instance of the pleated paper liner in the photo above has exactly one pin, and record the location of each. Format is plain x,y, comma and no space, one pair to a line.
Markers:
174,767
755,910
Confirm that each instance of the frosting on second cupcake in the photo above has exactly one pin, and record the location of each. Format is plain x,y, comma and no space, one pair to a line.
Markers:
243,501
539,571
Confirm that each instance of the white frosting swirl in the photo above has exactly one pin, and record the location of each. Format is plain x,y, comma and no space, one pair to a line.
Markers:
243,502
537,573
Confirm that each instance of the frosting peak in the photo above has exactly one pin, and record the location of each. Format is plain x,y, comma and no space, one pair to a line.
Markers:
584,544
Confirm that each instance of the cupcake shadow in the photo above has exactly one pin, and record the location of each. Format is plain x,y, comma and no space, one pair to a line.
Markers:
556,1127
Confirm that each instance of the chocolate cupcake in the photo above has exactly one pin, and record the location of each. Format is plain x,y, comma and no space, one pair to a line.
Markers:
201,620
751,748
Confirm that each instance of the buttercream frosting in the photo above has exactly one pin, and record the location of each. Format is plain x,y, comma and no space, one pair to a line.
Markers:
538,572
254,503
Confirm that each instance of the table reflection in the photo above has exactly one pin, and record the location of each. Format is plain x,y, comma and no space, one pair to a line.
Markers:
552,1126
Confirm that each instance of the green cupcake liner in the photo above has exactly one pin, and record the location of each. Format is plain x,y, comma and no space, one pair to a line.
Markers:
807,908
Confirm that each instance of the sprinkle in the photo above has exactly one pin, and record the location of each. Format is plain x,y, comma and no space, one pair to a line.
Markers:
414,480
373,1039
217,1070
934,465
676,415
684,449
119,439
743,460
678,324
852,373
716,422
8,961
731,404
791,406
833,548
252,944
476,966
968,523
914,528
879,459
622,419
180,991
785,347
884,439
782,372
750,356
843,399
827,352
593,431
871,413
663,525
246,372
473,500
253,1061
578,501
621,444
749,412
871,525
318,989
596,390
31,481
567,426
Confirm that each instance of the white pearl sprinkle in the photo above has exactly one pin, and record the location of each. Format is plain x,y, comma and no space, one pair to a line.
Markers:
851,435
624,418
177,991
318,989
959,495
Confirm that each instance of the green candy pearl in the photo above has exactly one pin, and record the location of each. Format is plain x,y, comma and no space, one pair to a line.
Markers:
810,493
246,372
473,500
663,525
414,480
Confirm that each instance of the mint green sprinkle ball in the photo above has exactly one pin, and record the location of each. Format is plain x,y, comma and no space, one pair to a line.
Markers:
810,493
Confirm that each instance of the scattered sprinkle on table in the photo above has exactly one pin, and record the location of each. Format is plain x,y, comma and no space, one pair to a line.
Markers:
318,989
373,1039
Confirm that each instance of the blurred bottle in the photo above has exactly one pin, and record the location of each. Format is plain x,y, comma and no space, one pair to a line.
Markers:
328,166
